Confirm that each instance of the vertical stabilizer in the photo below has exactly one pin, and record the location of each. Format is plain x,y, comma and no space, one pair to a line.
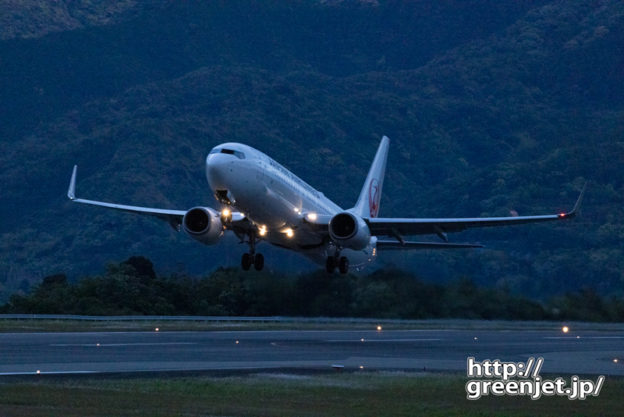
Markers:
367,205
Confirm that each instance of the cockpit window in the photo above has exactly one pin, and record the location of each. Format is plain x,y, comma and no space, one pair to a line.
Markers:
237,154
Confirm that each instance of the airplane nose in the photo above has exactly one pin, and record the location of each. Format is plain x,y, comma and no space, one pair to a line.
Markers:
215,171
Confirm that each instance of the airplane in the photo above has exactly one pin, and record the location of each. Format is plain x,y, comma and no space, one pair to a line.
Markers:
263,201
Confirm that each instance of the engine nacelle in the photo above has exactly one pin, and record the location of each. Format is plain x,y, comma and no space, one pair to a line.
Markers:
349,231
203,224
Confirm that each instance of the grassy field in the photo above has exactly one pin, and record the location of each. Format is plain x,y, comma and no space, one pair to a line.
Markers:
337,394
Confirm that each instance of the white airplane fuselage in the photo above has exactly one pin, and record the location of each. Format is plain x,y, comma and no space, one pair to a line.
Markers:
263,201
274,198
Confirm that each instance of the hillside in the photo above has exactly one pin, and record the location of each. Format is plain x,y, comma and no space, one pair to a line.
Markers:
491,107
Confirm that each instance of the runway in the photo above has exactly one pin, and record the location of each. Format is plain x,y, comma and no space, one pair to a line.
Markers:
583,352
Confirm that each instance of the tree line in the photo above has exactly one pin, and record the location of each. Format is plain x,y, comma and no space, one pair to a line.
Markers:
133,288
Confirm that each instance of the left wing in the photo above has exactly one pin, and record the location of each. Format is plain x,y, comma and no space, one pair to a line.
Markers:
399,227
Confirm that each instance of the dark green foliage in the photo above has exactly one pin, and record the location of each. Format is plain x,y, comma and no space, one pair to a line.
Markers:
389,293
588,305
320,294
54,280
491,106
143,267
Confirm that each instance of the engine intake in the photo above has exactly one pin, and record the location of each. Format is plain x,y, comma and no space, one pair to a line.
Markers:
343,226
203,224
349,231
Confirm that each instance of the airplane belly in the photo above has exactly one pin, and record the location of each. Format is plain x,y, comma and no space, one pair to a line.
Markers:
273,206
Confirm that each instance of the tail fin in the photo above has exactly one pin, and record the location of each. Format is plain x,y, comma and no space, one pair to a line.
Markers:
367,205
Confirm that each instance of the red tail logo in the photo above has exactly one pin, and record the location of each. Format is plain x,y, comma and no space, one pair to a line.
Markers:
373,197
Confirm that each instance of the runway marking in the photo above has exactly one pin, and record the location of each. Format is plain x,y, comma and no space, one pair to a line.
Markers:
120,344
48,373
381,340
583,337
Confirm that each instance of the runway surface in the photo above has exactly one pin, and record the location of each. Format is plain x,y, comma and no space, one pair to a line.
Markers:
584,352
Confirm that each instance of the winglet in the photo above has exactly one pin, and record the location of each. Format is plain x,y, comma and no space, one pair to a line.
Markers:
577,205
71,191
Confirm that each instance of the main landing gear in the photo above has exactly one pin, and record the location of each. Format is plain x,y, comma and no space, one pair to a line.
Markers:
248,259
252,258
337,261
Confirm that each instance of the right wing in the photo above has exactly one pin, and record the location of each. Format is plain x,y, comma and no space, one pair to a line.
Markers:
173,217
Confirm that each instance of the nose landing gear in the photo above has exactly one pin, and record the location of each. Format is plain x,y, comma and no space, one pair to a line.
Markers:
252,258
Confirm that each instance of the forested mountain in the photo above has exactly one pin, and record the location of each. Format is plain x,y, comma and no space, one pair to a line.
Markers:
491,106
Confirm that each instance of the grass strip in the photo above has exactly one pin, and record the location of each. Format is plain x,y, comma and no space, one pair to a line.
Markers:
337,394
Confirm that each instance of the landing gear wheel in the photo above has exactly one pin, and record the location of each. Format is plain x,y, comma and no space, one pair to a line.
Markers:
258,262
330,264
246,261
343,265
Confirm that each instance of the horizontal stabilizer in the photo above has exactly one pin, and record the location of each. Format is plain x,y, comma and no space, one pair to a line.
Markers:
396,245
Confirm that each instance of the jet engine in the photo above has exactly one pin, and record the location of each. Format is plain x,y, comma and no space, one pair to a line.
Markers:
203,224
349,231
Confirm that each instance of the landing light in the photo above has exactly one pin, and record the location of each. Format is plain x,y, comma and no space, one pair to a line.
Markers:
262,230
312,217
289,232
378,328
226,214
565,329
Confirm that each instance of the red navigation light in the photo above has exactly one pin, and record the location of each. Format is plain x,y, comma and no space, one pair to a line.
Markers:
562,214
